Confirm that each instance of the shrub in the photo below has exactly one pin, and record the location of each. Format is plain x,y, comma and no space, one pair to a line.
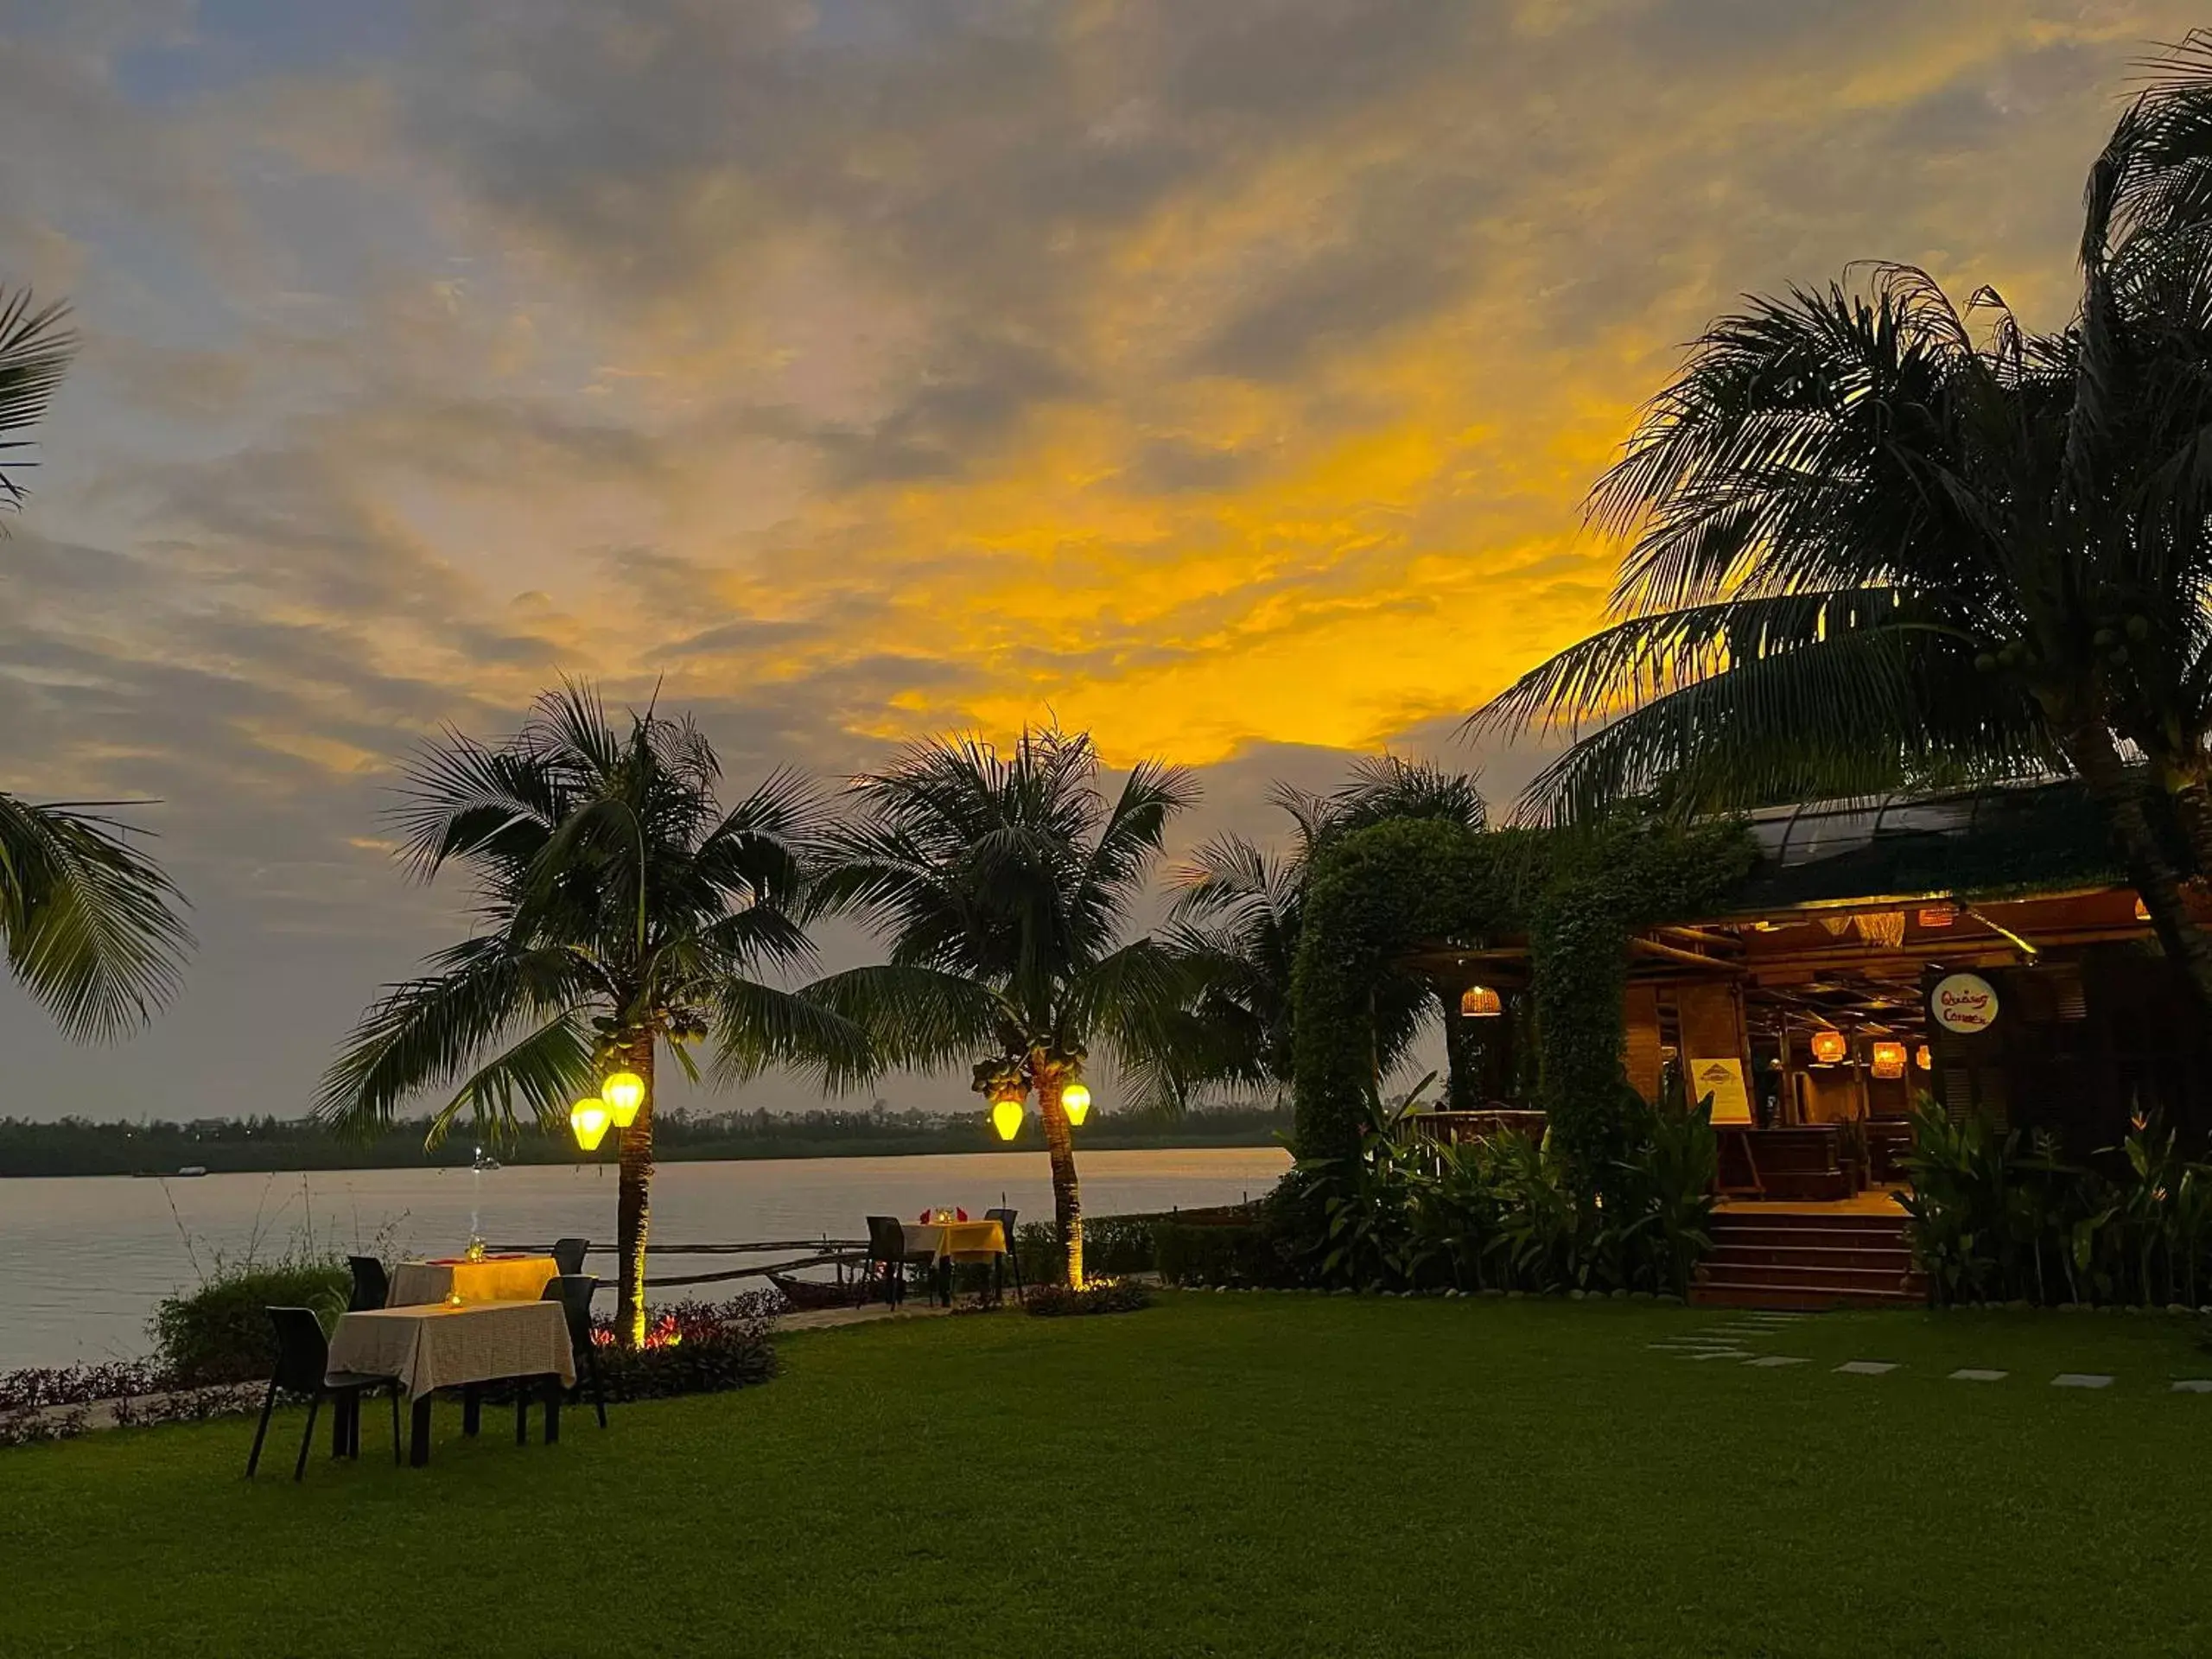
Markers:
1111,1244
1055,1301
219,1334
1238,1252
692,1348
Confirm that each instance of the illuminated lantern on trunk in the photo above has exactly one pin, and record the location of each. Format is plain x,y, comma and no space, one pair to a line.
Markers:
623,1093
1075,1101
1006,1116
589,1118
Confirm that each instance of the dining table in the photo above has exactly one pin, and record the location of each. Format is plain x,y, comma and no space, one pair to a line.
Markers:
947,1241
441,1345
512,1278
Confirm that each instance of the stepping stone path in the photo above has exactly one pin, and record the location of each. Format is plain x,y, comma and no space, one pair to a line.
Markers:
1970,1375
2080,1380
1866,1367
2194,1385
1770,1361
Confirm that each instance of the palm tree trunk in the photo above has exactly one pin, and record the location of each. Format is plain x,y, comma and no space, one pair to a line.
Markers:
2121,794
633,1200
1059,1146
2193,806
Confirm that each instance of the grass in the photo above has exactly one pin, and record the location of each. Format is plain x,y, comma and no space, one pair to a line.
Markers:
1221,1474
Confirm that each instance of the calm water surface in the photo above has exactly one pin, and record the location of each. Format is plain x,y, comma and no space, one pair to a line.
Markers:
84,1260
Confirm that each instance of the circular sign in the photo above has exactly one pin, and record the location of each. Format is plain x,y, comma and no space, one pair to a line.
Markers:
1963,1002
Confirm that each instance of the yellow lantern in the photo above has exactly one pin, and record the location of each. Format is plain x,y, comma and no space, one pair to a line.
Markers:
623,1093
1075,1101
1006,1116
1480,1002
589,1118
1829,1045
1924,1058
1889,1060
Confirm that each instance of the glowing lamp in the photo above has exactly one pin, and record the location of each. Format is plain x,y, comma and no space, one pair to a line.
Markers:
1075,1101
623,1093
2142,910
1006,1116
589,1118
1829,1045
1480,1002
1924,1058
1889,1060
1937,916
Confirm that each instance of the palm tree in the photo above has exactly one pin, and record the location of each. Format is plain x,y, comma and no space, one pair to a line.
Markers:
1240,910
1002,886
1869,546
623,909
89,923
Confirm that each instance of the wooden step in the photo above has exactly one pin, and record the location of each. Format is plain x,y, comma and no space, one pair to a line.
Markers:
1798,1299
1839,1221
1809,1238
1890,1258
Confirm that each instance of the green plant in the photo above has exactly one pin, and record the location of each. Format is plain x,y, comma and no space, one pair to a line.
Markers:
220,1332
1108,1296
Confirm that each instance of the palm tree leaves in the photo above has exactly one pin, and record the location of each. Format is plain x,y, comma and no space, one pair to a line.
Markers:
617,890
90,924
36,349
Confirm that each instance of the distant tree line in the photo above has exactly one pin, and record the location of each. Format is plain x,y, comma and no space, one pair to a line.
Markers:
79,1147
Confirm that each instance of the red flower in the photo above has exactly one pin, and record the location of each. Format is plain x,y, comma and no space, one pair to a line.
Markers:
924,1217
960,1215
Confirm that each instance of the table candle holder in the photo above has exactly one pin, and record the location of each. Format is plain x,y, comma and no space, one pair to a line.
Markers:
475,1250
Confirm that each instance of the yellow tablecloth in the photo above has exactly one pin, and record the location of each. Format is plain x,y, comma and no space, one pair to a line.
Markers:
438,1347
957,1240
495,1279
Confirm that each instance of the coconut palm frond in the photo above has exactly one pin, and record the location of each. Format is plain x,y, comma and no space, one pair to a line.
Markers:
91,925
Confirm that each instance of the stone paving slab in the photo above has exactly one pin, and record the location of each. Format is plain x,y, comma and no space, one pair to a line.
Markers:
1866,1367
1971,1374
2194,1385
2080,1380
1770,1360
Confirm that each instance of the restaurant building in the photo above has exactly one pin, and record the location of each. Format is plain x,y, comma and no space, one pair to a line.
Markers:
1981,949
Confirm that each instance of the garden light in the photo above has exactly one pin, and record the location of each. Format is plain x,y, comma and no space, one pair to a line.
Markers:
1075,1101
1480,1002
623,1093
1006,1116
589,1118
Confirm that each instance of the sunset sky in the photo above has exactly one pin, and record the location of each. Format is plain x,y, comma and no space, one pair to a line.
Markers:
1220,376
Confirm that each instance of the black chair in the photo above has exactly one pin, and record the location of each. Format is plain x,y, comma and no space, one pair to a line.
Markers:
568,1254
1005,1220
574,1292
886,1247
371,1287
303,1367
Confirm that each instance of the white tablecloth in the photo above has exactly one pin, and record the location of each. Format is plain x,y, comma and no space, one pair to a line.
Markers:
438,1347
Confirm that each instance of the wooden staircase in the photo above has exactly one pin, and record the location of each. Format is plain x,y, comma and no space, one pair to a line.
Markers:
1808,1259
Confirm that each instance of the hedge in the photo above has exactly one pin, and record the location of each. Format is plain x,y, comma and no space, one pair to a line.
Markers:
1575,895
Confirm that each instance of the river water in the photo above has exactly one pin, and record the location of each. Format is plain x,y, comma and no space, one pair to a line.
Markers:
84,1260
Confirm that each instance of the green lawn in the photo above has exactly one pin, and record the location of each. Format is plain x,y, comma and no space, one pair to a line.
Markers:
1221,1474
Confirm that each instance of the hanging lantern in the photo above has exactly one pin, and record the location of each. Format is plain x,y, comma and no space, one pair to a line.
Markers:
1075,1101
623,1093
1006,1116
1889,1060
1829,1045
589,1118
1924,1058
1480,1002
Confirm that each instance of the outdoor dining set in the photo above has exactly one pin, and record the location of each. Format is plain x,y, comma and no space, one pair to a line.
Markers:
937,1242
468,1323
